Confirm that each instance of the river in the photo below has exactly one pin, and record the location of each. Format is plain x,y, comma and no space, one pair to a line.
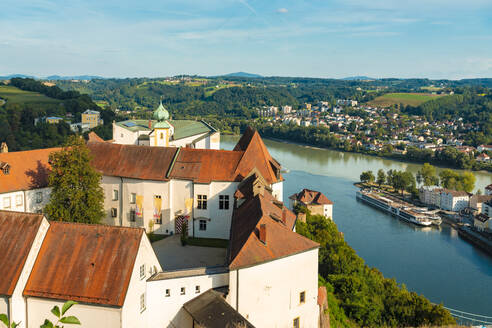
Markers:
434,262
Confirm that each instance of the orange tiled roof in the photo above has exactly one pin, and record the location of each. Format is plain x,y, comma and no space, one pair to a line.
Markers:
17,234
206,165
307,196
256,155
247,249
86,263
28,169
131,161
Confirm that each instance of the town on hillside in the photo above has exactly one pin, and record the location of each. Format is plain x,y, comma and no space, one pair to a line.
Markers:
381,129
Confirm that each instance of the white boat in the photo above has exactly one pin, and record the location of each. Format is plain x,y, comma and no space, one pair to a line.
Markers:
395,208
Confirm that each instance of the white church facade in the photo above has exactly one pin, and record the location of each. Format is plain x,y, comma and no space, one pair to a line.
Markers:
161,131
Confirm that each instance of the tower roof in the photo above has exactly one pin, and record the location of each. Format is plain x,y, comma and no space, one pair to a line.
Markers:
161,114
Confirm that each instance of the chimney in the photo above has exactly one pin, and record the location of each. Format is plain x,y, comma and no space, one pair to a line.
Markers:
4,148
150,124
263,233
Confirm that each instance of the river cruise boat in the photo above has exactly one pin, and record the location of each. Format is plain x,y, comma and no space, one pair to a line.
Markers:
396,207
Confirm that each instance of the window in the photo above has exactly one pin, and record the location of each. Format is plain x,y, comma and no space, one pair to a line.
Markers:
142,271
142,302
132,215
162,135
18,200
183,290
302,297
202,202
203,225
115,194
6,202
114,212
158,220
296,323
197,289
168,292
39,197
133,198
223,202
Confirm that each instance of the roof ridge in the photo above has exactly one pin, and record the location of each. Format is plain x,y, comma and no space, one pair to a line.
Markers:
102,225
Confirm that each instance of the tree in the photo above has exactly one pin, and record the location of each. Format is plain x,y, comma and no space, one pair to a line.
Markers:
468,181
71,320
381,177
367,176
76,194
428,175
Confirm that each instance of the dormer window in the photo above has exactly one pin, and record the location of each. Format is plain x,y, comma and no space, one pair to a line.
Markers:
5,167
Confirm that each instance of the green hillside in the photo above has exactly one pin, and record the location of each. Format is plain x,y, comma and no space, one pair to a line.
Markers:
15,95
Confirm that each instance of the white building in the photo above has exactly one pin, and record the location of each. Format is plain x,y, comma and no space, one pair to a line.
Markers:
163,132
67,261
452,200
430,195
114,275
160,188
314,201
286,109
24,180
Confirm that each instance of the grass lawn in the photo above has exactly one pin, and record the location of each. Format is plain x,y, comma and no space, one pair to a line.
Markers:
412,99
15,95
153,237
211,90
207,242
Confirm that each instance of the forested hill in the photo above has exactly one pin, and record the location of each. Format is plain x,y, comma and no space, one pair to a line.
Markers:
25,100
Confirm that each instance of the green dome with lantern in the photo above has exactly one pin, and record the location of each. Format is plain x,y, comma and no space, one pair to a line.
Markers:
161,115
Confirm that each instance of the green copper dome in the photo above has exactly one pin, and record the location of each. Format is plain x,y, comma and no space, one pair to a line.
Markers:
161,114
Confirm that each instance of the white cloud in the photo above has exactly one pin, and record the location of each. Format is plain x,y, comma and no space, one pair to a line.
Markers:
282,10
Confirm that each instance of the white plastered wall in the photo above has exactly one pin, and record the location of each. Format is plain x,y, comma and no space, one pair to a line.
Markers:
132,315
268,294
90,316
167,311
13,201
32,204
124,136
278,191
218,221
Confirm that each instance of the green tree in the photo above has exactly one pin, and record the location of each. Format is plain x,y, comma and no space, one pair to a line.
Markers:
367,176
381,177
468,181
76,194
60,315
428,175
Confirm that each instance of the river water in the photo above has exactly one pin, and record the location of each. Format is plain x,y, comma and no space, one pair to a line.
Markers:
434,262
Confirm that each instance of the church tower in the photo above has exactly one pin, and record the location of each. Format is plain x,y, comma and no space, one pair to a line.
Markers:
162,129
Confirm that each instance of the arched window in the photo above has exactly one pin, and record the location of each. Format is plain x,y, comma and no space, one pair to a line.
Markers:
162,135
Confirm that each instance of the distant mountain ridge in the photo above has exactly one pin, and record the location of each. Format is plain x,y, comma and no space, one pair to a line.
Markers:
242,74
53,77
358,78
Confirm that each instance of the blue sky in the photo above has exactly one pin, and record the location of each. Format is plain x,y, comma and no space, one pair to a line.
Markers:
322,38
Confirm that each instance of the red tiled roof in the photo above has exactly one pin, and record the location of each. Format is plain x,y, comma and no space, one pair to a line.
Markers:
307,196
86,263
28,169
17,234
246,249
131,161
256,155
206,165
93,137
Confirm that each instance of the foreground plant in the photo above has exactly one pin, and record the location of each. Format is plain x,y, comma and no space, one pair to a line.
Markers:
71,320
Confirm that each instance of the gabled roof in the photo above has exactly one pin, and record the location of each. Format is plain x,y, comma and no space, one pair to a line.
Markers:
85,263
28,169
131,161
17,234
210,310
256,155
307,196
94,137
206,165
245,247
